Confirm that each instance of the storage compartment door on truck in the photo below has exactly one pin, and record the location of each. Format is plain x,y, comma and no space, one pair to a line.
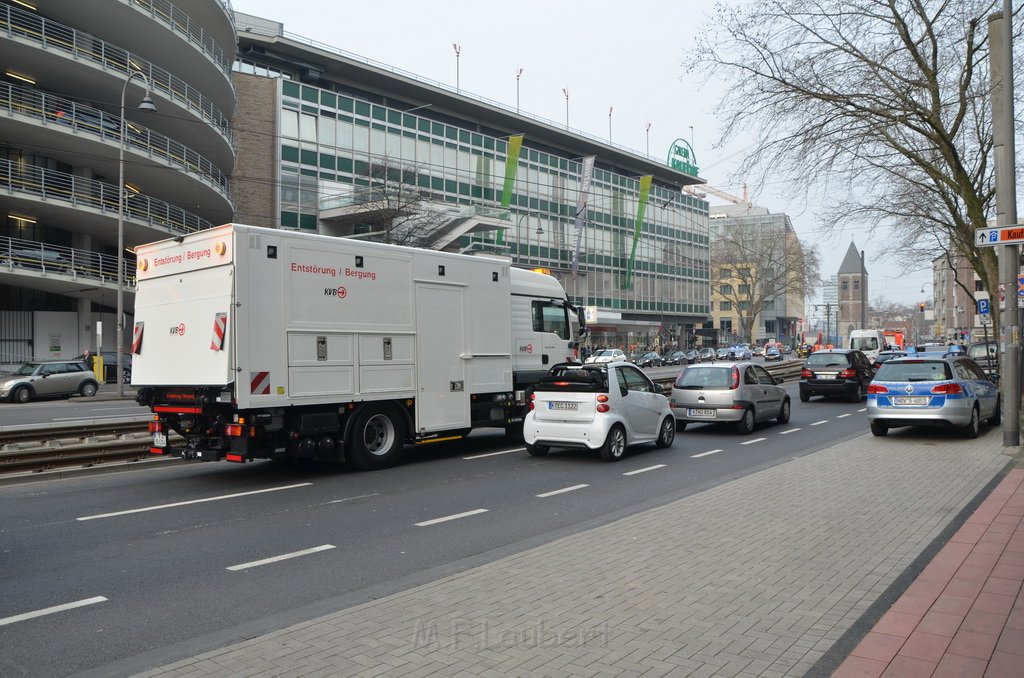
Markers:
442,401
187,328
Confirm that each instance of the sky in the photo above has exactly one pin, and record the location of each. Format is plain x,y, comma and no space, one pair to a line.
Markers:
610,56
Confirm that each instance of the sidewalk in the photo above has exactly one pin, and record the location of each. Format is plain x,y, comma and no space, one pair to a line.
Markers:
771,574
964,615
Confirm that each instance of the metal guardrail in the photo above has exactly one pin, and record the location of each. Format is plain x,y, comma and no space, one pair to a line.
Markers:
77,192
45,258
65,113
787,369
165,12
51,35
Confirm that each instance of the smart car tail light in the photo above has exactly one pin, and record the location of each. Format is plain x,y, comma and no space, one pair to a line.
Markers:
533,396
877,388
602,403
947,389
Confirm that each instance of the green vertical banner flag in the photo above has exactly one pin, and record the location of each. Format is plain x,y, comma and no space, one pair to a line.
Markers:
515,145
645,193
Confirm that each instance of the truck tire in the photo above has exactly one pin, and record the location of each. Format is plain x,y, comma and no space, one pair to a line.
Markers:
376,438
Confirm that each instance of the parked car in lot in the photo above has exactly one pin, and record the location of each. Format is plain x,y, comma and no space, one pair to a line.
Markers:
648,359
949,392
47,379
110,366
741,393
605,407
607,355
836,372
706,355
773,353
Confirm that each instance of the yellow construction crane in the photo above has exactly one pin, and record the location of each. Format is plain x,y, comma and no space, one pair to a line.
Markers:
704,189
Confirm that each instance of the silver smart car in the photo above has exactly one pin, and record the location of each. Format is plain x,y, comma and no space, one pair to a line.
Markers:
740,393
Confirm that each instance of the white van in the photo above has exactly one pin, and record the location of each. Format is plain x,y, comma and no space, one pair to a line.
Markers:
868,341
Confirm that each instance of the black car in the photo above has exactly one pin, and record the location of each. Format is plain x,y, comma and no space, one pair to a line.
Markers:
888,355
648,359
692,357
674,358
836,372
110,366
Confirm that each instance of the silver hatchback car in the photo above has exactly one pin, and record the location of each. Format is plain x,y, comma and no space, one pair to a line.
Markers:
740,393
47,378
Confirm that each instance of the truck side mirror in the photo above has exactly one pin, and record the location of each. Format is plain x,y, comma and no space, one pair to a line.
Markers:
582,318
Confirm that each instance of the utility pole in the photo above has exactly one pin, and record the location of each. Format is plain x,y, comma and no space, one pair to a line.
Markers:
1001,60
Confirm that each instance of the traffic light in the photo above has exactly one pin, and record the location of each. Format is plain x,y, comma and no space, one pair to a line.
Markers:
920,307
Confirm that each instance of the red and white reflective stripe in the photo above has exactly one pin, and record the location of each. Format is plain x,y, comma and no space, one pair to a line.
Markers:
137,337
259,383
220,324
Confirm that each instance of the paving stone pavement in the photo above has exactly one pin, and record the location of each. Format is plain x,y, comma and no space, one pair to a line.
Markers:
756,577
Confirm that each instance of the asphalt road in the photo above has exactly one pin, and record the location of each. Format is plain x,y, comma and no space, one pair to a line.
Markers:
118,572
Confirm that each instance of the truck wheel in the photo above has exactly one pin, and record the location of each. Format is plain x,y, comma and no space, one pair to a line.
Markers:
375,439
537,450
614,445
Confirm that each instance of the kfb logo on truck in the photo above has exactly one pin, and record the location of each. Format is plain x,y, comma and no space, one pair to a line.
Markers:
339,292
526,348
178,330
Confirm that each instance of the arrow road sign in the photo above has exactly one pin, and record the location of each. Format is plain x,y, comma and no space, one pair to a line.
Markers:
1003,235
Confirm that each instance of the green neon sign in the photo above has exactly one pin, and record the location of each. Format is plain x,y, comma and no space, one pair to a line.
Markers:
682,158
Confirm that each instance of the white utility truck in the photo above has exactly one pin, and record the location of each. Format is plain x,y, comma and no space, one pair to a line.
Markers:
257,343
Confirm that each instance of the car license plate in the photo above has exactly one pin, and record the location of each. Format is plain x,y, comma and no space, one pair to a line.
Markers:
159,439
561,405
910,400
705,414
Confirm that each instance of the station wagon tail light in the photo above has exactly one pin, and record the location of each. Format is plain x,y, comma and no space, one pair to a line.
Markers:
848,373
602,403
947,388
735,384
877,388
806,374
533,396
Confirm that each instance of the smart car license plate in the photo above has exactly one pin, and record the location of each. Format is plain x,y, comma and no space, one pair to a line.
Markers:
561,405
910,400
159,439
705,414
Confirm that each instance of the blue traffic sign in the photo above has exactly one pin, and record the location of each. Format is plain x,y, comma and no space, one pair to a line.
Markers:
983,307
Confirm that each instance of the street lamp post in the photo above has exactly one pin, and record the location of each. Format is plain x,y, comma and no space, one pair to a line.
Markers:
565,91
648,130
145,105
458,50
539,232
519,72
609,124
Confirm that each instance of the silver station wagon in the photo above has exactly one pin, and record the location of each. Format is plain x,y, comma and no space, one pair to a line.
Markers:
739,393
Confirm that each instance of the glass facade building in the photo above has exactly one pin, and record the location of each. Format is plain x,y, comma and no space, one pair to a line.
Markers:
644,246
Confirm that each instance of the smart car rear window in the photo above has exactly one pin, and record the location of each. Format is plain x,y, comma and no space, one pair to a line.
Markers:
914,370
580,380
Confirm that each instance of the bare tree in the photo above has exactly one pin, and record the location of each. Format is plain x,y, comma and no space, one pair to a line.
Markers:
757,263
392,209
886,98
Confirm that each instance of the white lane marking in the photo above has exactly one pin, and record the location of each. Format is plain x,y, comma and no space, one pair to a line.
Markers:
751,442
495,454
792,430
360,496
863,409
192,501
51,610
844,415
643,470
286,556
704,454
445,519
561,491
823,421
